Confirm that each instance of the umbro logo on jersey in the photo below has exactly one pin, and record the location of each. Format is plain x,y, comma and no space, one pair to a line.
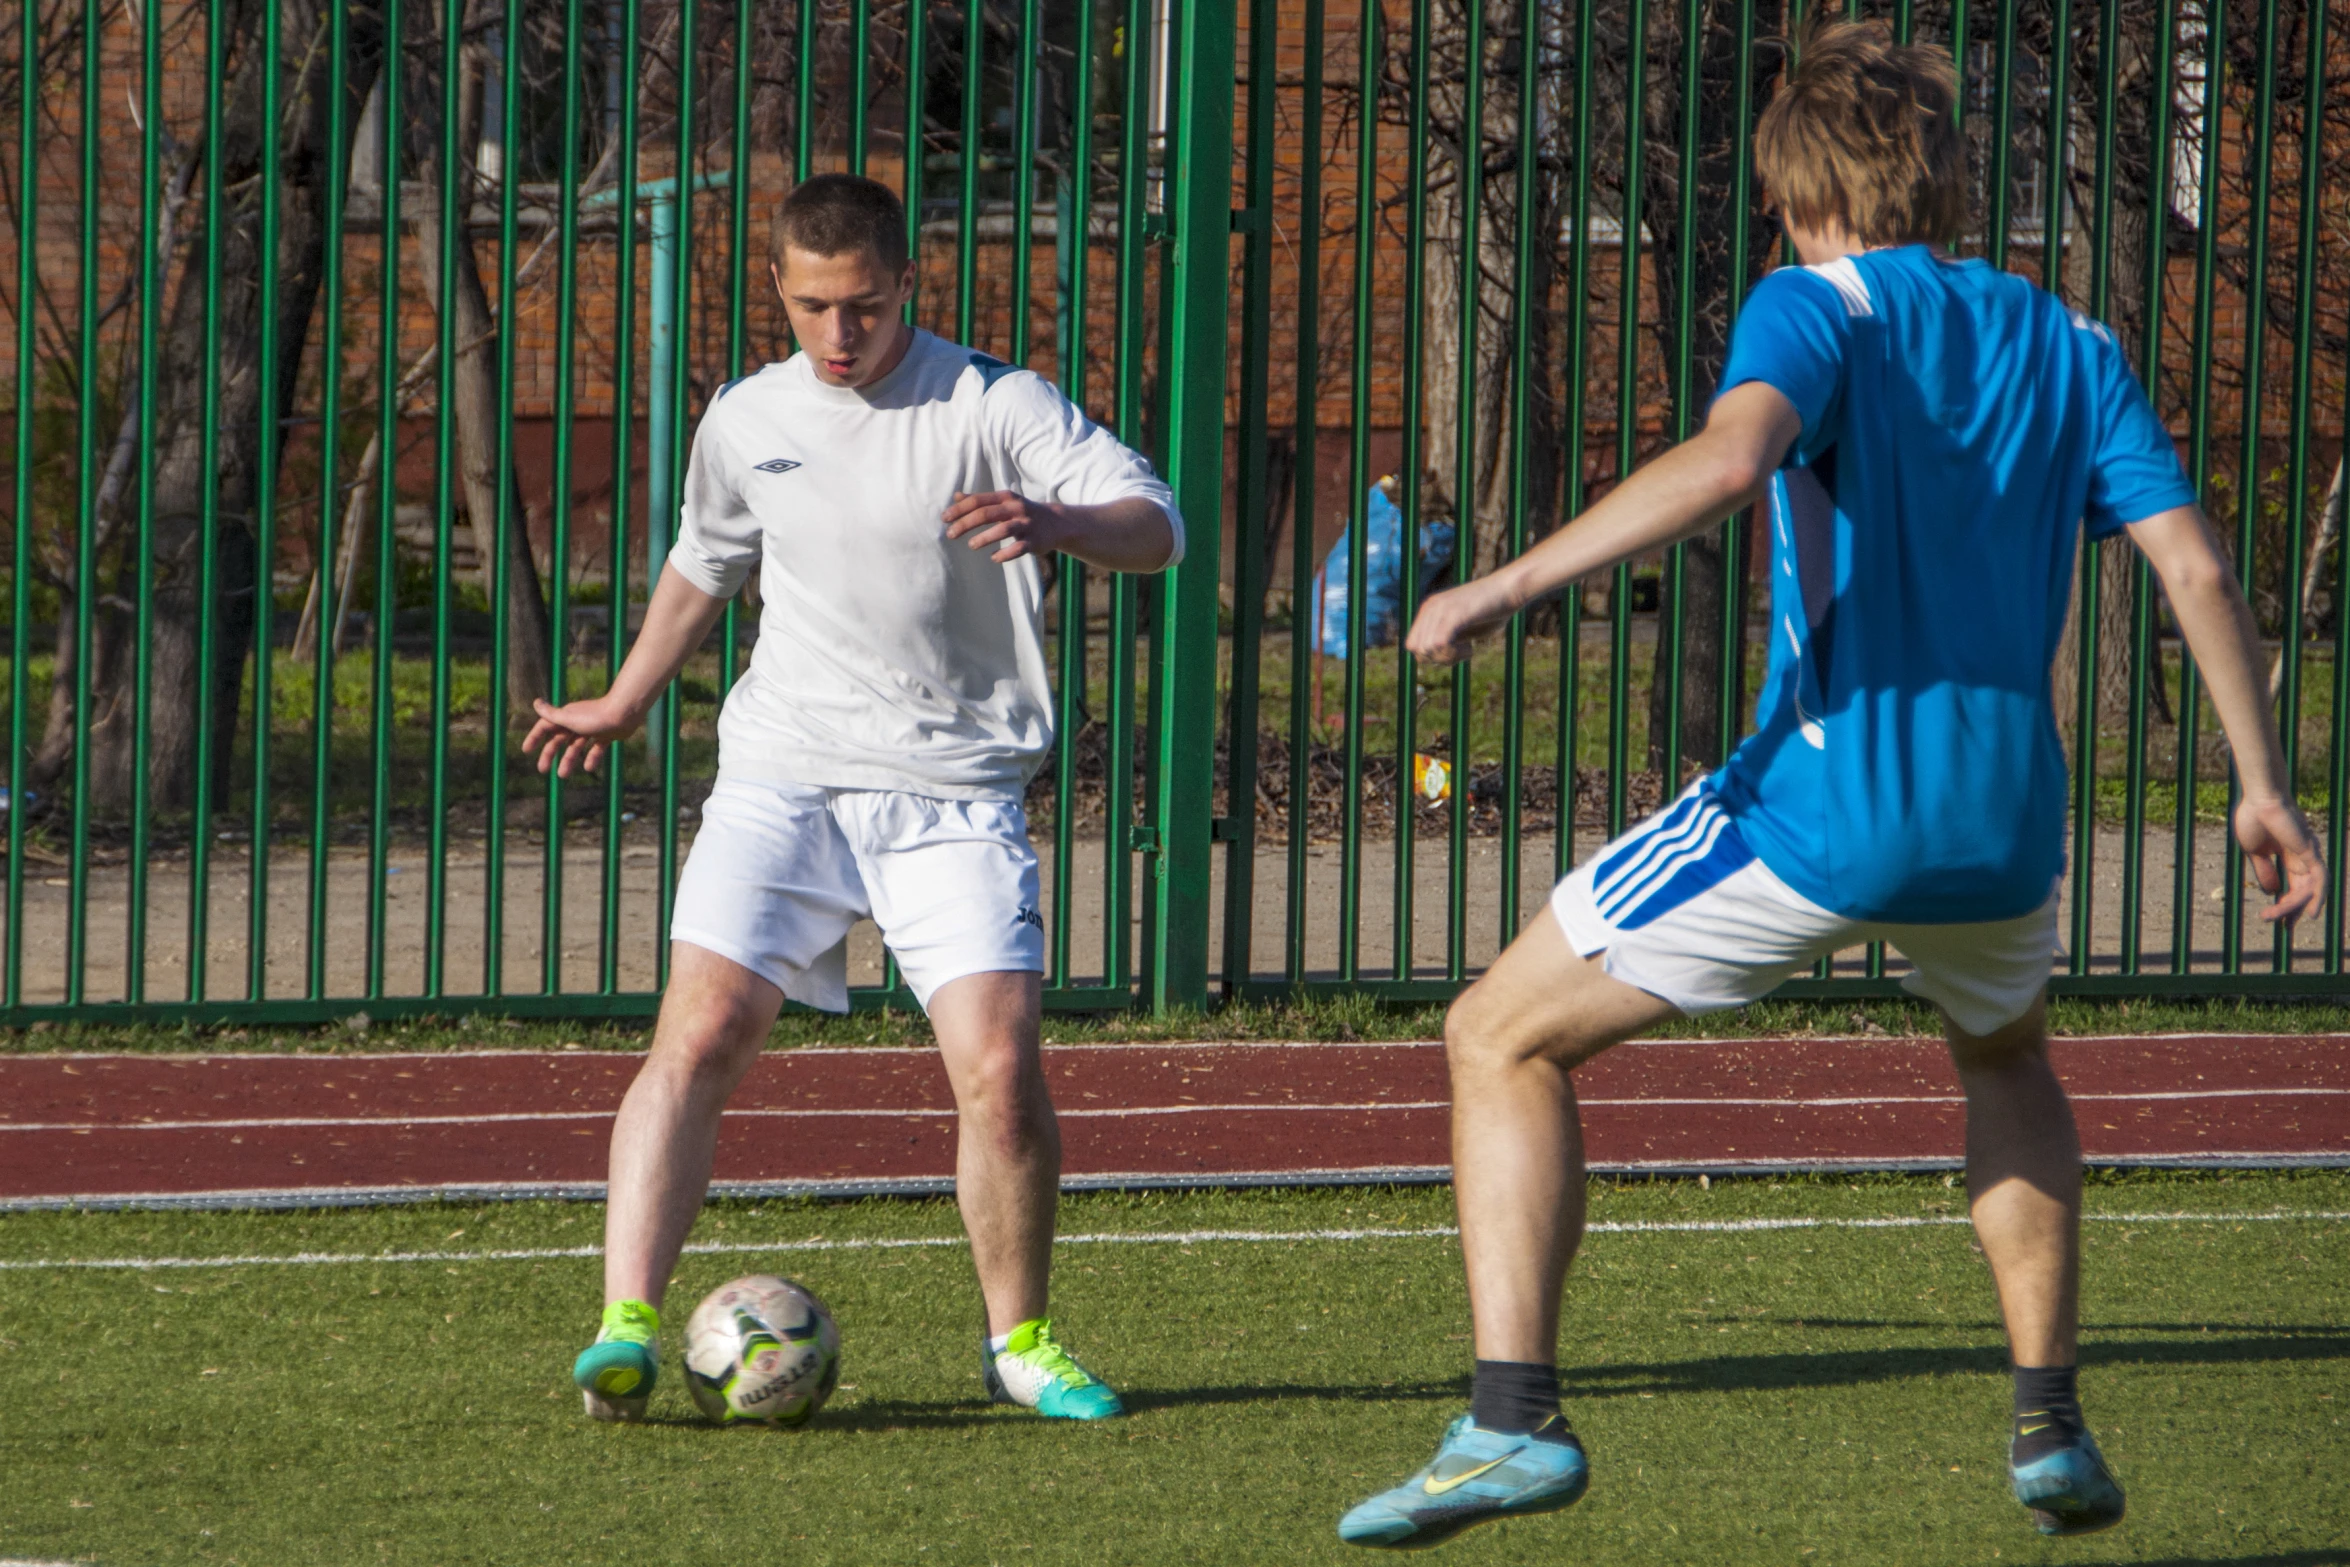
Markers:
777,465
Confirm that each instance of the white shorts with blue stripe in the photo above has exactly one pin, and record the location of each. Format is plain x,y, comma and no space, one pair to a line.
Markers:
1684,910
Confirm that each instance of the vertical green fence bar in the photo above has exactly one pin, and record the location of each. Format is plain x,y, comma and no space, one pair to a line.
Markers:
85,450
20,582
2248,481
2145,666
387,486
2248,462
1570,697
1075,209
1672,602
1470,169
272,432
566,405
2087,634
2188,714
967,160
1133,428
917,38
1305,609
803,162
1199,212
860,85
1415,290
1619,757
1735,529
1253,525
1358,553
444,499
1023,180
208,552
322,656
493,870
1521,408
2305,301
680,383
151,267
623,479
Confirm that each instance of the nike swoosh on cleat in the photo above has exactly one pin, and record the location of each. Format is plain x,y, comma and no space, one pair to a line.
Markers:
2028,1430
1436,1487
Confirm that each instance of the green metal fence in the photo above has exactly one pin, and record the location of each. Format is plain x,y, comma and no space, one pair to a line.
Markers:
355,352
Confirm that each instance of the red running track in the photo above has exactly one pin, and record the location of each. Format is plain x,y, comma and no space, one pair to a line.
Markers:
300,1129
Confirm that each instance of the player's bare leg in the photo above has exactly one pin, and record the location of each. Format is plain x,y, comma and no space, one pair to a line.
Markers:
714,1019
1008,1151
2023,1159
1008,1184
1512,1040
1517,1136
2023,1167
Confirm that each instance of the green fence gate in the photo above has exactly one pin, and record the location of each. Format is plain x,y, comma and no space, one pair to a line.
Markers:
355,351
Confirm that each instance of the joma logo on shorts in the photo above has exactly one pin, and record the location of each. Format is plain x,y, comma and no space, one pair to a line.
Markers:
1028,916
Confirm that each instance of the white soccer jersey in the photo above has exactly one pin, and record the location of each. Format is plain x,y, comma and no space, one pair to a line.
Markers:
890,656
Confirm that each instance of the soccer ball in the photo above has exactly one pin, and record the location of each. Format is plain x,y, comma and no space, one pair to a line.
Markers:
761,1349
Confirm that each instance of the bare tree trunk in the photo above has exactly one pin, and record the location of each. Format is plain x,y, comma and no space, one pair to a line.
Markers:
474,382
1481,505
184,483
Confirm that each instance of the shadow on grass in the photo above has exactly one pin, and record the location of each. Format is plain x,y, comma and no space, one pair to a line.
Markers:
1451,1390
1845,1368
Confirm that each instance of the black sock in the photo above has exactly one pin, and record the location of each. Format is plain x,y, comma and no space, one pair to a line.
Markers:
2047,1410
1515,1396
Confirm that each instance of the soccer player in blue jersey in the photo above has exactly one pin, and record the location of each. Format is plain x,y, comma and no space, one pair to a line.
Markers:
1931,436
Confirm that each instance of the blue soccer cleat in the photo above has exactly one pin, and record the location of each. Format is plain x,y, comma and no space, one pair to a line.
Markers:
1475,1477
2070,1491
615,1374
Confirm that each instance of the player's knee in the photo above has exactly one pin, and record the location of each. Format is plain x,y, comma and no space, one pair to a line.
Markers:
1480,1036
999,1081
709,1037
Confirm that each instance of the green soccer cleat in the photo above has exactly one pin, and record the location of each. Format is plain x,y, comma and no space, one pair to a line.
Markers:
1476,1476
615,1374
1037,1373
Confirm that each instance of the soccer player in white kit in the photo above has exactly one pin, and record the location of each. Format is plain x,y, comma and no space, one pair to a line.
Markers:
895,491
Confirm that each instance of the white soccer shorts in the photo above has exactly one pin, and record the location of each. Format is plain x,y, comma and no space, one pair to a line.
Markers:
780,871
1685,911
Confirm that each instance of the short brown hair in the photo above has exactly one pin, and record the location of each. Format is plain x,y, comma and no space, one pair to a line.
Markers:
831,214
1865,130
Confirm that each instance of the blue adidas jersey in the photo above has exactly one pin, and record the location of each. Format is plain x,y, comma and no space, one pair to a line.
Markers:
1959,427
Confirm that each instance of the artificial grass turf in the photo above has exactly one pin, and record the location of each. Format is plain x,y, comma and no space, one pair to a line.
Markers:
1793,1395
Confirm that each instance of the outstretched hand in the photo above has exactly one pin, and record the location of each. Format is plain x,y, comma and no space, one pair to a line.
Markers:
576,735
1450,621
2284,858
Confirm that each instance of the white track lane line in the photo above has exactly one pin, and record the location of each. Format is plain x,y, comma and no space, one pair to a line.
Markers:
1858,1101
1137,1238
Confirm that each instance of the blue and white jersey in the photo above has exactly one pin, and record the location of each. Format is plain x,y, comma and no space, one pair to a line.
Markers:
1959,428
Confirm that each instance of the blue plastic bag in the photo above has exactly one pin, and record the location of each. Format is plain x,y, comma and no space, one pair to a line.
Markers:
1383,569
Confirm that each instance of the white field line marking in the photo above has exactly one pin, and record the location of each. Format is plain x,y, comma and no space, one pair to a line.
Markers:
1860,1101
1140,1238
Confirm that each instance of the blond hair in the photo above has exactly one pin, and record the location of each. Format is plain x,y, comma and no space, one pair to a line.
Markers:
1864,131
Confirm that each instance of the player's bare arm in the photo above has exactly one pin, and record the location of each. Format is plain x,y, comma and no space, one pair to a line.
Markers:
1132,534
576,735
1695,485
2220,632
